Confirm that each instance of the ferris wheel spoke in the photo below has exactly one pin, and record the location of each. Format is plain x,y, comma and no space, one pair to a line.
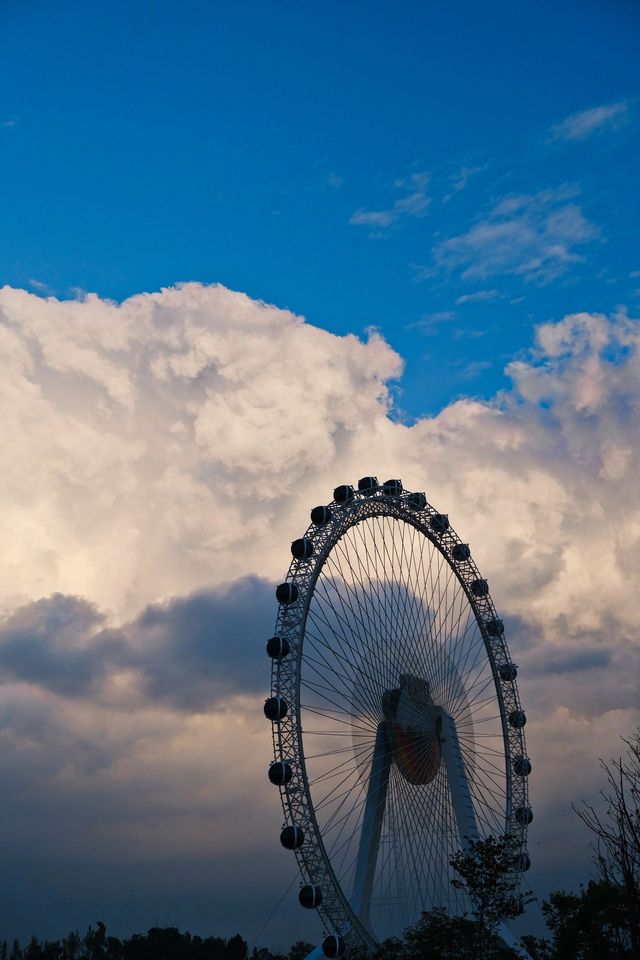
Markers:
414,813
468,670
361,596
323,666
333,733
425,612
373,581
329,753
331,794
433,586
352,601
336,716
487,764
483,681
407,638
353,631
410,640
352,640
319,665
321,691
385,579
487,790
334,821
490,786
455,638
340,848
391,849
338,645
467,639
484,794
417,610
338,769
410,629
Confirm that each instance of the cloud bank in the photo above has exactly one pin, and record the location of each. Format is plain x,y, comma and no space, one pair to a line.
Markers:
160,455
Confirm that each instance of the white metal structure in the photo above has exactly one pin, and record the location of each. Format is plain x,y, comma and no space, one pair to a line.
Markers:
397,726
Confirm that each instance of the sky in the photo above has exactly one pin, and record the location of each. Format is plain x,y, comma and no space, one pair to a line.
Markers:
250,251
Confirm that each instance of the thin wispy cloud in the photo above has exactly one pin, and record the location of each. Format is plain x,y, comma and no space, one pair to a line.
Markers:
460,180
373,218
585,123
473,369
534,236
429,324
414,203
478,296
40,286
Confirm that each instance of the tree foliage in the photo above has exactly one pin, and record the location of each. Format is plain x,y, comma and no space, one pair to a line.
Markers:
616,844
484,871
159,943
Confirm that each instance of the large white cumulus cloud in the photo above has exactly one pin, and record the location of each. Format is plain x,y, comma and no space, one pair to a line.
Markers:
154,446
174,441
165,451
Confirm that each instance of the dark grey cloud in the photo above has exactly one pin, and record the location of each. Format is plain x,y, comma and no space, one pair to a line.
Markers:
188,652
590,672
133,762
575,661
198,649
57,643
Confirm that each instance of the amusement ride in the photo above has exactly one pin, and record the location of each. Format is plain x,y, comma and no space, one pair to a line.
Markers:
398,731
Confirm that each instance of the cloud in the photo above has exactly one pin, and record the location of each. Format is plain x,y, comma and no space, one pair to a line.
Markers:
169,432
534,236
585,123
176,442
414,203
189,652
478,296
460,180
53,643
373,218
473,369
159,457
40,286
430,323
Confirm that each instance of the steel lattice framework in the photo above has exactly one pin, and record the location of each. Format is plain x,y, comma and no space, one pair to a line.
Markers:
388,508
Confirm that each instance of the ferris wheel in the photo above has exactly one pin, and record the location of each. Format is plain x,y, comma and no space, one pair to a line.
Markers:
398,732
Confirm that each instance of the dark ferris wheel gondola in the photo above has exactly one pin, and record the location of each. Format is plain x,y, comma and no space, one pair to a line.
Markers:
397,727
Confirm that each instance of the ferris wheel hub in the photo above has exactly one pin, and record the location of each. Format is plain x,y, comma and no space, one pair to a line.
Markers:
414,723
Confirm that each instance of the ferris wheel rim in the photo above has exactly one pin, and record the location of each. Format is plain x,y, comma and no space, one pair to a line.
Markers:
352,508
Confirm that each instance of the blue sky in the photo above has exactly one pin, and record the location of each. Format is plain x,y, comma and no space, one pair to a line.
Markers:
452,176
363,164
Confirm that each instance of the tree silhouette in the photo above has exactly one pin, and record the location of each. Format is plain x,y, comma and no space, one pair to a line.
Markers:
484,872
617,837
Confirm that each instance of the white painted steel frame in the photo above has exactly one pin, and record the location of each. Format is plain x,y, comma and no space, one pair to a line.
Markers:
458,782
372,824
